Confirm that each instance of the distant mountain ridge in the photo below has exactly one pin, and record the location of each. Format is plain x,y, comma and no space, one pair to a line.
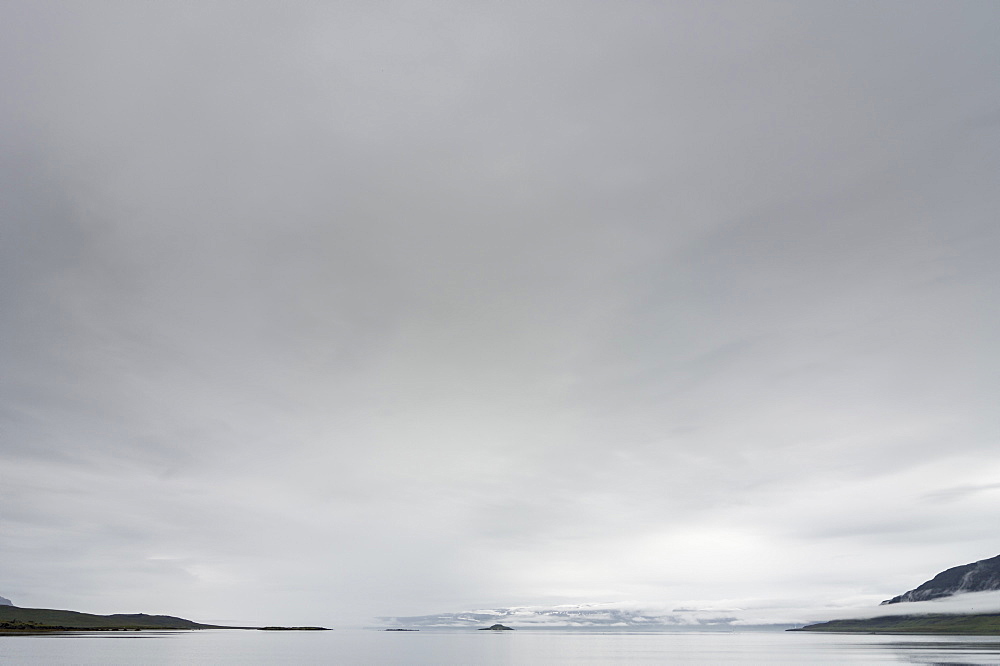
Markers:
981,576
4,601
623,616
582,616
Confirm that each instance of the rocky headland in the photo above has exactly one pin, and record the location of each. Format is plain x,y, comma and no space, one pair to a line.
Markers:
981,576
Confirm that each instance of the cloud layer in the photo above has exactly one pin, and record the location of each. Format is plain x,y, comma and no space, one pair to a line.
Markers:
334,311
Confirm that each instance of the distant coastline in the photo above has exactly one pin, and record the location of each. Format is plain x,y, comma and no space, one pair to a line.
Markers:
980,624
16,620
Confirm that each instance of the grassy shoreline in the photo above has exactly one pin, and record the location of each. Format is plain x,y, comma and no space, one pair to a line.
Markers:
14,617
978,624
15,620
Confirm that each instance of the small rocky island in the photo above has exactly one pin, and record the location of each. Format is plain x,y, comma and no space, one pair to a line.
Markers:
496,627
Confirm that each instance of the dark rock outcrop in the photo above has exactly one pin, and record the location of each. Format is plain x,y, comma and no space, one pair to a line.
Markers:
981,576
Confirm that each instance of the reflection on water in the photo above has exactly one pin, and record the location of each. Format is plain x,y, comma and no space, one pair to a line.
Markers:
973,650
523,648
938,650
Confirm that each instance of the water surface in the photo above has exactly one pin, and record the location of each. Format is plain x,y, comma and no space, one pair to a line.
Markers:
523,648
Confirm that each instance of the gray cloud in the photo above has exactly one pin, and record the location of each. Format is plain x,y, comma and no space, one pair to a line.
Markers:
406,308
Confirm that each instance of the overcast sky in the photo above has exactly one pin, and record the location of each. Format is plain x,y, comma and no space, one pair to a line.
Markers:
311,313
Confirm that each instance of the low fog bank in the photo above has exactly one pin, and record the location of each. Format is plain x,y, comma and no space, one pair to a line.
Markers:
603,616
700,616
970,602
804,612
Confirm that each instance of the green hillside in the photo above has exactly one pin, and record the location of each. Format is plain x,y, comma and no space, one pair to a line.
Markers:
13,618
985,624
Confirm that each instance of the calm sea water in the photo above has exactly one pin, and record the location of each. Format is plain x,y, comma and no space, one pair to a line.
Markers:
523,648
